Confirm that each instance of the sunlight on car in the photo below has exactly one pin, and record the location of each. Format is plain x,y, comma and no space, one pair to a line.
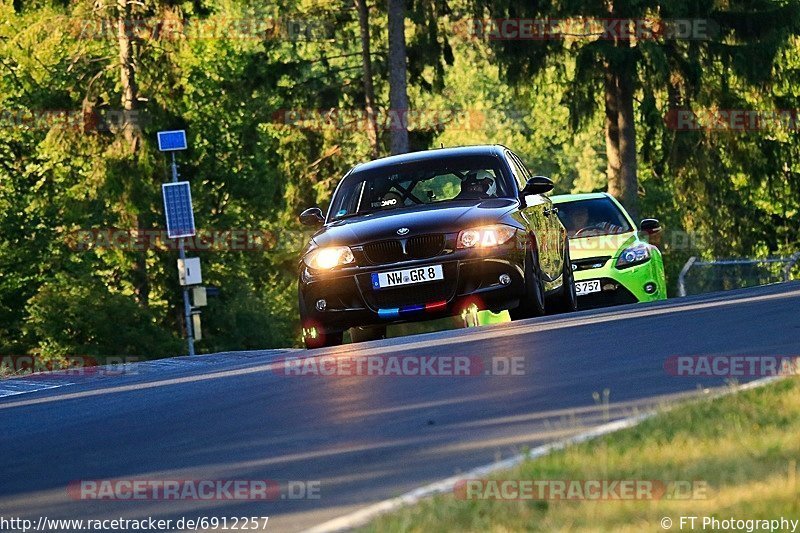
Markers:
430,235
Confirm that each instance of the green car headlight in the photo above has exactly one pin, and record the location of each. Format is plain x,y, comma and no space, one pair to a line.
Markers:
634,255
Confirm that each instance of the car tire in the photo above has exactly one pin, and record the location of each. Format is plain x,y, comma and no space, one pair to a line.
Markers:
567,299
532,303
367,333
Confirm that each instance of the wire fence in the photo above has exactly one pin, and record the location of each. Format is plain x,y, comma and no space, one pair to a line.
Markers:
699,277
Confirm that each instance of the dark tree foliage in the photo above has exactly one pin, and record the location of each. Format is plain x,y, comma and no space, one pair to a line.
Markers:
272,109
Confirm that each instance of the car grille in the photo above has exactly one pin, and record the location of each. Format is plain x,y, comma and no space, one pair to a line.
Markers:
382,252
589,263
418,247
425,246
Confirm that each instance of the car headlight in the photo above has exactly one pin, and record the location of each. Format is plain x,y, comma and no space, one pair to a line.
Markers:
634,255
328,257
485,236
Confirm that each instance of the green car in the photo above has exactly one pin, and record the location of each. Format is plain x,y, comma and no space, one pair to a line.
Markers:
613,263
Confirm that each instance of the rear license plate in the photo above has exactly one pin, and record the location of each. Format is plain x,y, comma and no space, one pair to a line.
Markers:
409,276
586,287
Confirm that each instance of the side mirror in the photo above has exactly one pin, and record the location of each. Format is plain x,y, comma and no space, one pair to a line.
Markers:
538,185
312,217
652,228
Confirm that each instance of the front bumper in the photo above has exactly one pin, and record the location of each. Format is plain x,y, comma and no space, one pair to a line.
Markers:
470,276
623,286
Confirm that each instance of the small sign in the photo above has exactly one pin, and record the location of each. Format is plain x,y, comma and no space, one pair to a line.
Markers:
172,141
178,209
199,297
197,329
189,271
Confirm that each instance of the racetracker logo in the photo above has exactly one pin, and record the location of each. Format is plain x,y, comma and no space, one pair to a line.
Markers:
101,120
213,28
733,120
193,489
400,366
587,28
68,365
579,489
389,119
732,366
206,240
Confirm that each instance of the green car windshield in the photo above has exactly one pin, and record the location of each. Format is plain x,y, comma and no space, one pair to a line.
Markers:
424,182
593,217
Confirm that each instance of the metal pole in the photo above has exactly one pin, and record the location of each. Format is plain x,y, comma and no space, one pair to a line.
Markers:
789,265
682,276
187,308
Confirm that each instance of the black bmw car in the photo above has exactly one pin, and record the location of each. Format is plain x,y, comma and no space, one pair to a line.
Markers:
425,235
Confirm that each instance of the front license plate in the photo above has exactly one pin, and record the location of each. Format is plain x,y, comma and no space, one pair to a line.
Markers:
409,276
585,287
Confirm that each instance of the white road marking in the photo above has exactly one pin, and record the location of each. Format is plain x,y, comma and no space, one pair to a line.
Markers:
12,387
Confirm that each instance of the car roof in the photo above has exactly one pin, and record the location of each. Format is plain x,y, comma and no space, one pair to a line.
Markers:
495,150
563,198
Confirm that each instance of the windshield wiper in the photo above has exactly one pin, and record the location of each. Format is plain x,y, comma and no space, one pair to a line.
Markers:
351,215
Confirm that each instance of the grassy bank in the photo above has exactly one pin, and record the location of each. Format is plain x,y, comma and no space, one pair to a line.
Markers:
740,452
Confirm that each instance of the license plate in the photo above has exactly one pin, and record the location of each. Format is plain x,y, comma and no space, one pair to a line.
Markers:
585,287
409,276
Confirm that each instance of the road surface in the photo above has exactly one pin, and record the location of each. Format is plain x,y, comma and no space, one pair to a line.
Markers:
232,416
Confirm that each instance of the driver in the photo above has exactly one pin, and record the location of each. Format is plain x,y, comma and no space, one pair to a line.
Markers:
580,218
477,185
581,223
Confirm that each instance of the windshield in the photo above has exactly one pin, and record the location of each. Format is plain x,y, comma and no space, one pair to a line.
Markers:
461,179
588,218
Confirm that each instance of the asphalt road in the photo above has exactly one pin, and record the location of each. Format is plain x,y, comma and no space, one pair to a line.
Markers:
362,439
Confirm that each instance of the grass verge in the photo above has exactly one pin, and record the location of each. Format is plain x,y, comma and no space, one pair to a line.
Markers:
740,453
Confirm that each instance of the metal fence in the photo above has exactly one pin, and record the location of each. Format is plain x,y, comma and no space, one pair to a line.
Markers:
726,274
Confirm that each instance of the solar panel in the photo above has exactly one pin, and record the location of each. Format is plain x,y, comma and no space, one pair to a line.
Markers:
170,141
178,209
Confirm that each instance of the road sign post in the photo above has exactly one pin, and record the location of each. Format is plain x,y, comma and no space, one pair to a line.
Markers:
180,216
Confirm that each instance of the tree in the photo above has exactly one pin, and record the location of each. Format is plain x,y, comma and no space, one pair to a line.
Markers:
131,131
369,91
625,69
398,84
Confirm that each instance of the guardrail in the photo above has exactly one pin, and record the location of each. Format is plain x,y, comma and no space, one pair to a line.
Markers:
790,262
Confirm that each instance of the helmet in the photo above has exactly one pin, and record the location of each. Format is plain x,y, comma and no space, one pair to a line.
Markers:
480,182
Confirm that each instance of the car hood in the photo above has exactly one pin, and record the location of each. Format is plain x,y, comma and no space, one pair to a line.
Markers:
437,218
600,245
